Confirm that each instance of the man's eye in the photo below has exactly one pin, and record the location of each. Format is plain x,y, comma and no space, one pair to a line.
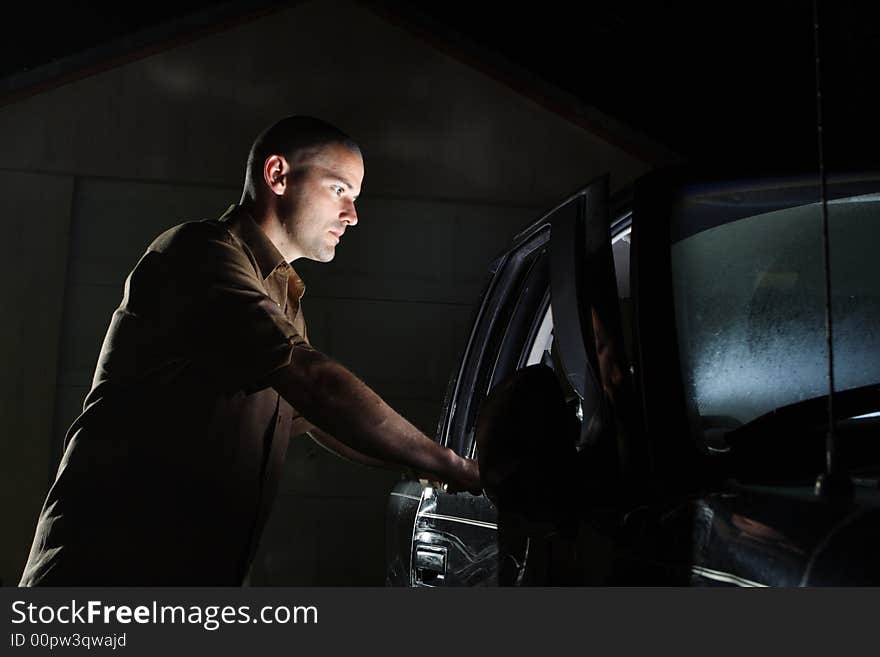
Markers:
337,190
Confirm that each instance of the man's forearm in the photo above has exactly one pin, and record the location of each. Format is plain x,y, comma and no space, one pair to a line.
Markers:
335,400
343,451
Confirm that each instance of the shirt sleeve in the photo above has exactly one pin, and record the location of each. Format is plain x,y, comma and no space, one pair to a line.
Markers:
240,335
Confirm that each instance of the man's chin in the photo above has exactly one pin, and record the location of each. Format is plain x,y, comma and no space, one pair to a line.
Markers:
324,255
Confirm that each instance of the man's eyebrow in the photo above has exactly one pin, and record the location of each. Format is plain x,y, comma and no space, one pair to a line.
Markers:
336,176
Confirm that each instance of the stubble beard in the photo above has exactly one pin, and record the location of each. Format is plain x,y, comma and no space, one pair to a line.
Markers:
324,253
319,250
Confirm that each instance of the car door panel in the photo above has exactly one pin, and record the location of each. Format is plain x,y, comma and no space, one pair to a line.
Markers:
455,540
435,538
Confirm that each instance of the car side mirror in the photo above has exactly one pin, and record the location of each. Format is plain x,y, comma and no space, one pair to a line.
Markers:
526,436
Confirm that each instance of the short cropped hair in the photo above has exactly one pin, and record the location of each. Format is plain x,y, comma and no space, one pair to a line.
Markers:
294,137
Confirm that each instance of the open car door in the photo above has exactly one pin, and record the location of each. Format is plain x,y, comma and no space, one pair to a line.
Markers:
553,438
437,539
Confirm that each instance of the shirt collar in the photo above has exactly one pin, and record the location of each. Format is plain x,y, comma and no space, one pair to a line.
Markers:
240,223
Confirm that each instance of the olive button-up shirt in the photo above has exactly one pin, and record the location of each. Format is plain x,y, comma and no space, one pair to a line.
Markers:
169,472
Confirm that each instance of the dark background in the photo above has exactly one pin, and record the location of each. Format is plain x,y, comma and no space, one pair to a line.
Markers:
94,169
711,81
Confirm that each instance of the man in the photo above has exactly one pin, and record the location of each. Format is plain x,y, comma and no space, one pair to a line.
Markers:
169,473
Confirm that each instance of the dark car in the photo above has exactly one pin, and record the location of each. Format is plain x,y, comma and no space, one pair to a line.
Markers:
646,387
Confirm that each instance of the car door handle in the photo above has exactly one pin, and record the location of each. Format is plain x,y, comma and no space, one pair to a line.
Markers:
430,558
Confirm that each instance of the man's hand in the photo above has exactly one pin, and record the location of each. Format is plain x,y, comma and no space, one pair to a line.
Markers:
467,481
468,478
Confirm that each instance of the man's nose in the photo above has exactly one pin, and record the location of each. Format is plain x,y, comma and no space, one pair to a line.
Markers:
349,214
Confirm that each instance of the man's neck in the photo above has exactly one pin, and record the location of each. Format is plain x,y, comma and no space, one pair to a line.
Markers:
270,223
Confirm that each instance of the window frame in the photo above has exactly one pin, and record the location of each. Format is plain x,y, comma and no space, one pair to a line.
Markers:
472,381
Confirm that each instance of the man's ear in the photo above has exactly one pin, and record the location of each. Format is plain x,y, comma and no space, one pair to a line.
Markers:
275,170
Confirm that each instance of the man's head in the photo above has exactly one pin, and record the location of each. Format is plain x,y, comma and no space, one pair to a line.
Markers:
303,177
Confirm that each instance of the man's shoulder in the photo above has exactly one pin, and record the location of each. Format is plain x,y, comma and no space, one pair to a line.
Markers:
206,246
191,235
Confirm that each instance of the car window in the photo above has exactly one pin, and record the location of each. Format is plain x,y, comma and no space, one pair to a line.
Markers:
749,301
520,332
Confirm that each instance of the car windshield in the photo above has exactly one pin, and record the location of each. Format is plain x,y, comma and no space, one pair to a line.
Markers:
748,285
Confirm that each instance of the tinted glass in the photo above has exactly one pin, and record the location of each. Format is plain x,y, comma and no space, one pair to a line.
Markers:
748,278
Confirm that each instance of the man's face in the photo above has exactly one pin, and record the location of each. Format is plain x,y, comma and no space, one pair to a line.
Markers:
318,203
